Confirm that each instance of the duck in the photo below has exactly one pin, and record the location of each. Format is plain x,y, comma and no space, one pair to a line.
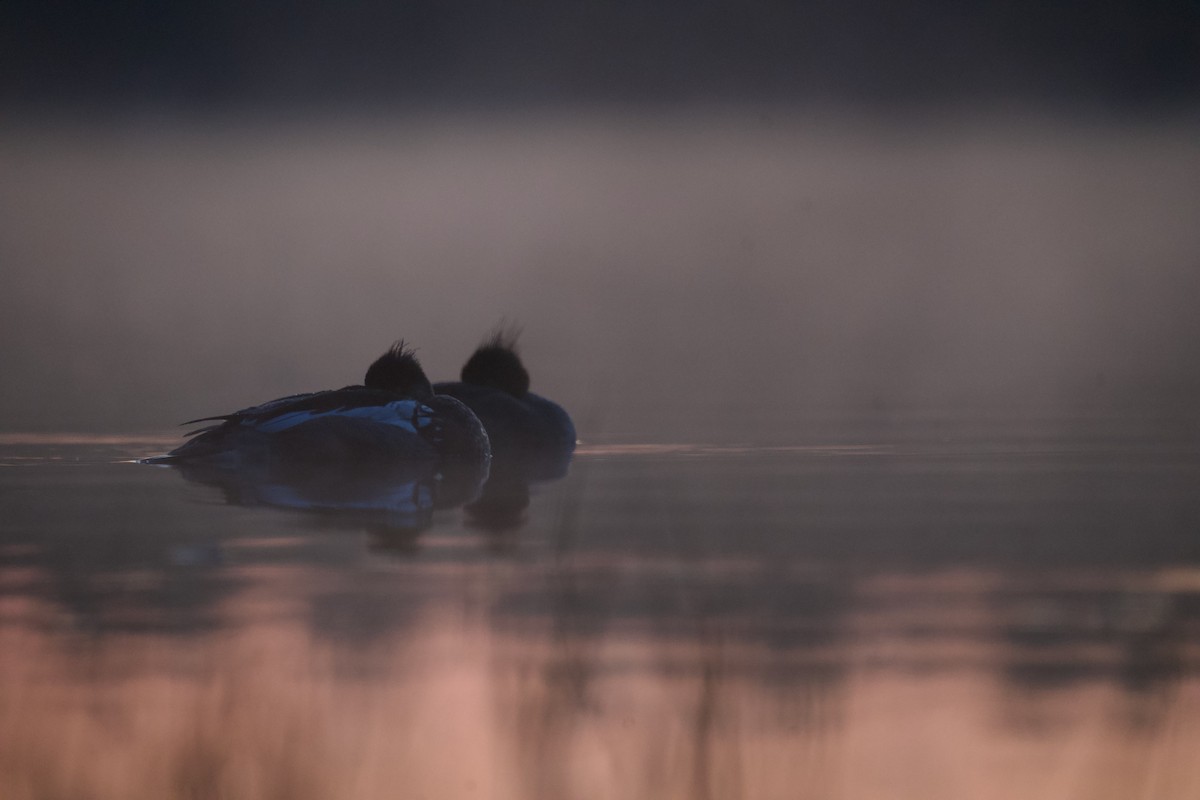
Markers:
521,425
394,415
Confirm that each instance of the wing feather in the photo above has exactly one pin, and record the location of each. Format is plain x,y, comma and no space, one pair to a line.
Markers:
353,401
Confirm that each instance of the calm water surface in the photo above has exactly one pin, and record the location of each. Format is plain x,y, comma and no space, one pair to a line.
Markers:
933,609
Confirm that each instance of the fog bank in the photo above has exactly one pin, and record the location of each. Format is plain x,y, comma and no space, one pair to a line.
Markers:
665,270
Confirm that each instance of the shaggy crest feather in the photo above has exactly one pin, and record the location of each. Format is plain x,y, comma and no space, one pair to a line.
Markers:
496,363
398,371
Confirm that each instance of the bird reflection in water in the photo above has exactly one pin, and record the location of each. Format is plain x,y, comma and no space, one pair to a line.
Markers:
500,510
395,501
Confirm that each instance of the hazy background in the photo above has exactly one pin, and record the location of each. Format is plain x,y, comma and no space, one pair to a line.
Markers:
714,220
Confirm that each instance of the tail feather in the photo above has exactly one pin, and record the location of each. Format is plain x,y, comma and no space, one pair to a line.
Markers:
221,418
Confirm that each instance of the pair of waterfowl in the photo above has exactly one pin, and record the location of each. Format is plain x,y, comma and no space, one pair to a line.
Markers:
397,414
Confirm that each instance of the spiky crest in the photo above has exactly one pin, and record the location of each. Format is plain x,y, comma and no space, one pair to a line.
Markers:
496,363
398,371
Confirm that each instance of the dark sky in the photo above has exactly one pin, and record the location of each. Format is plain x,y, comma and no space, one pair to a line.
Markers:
1126,54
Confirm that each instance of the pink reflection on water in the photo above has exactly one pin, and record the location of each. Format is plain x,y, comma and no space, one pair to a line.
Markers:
461,703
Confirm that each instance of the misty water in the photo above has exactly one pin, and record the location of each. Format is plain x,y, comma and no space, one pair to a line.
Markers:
886,484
